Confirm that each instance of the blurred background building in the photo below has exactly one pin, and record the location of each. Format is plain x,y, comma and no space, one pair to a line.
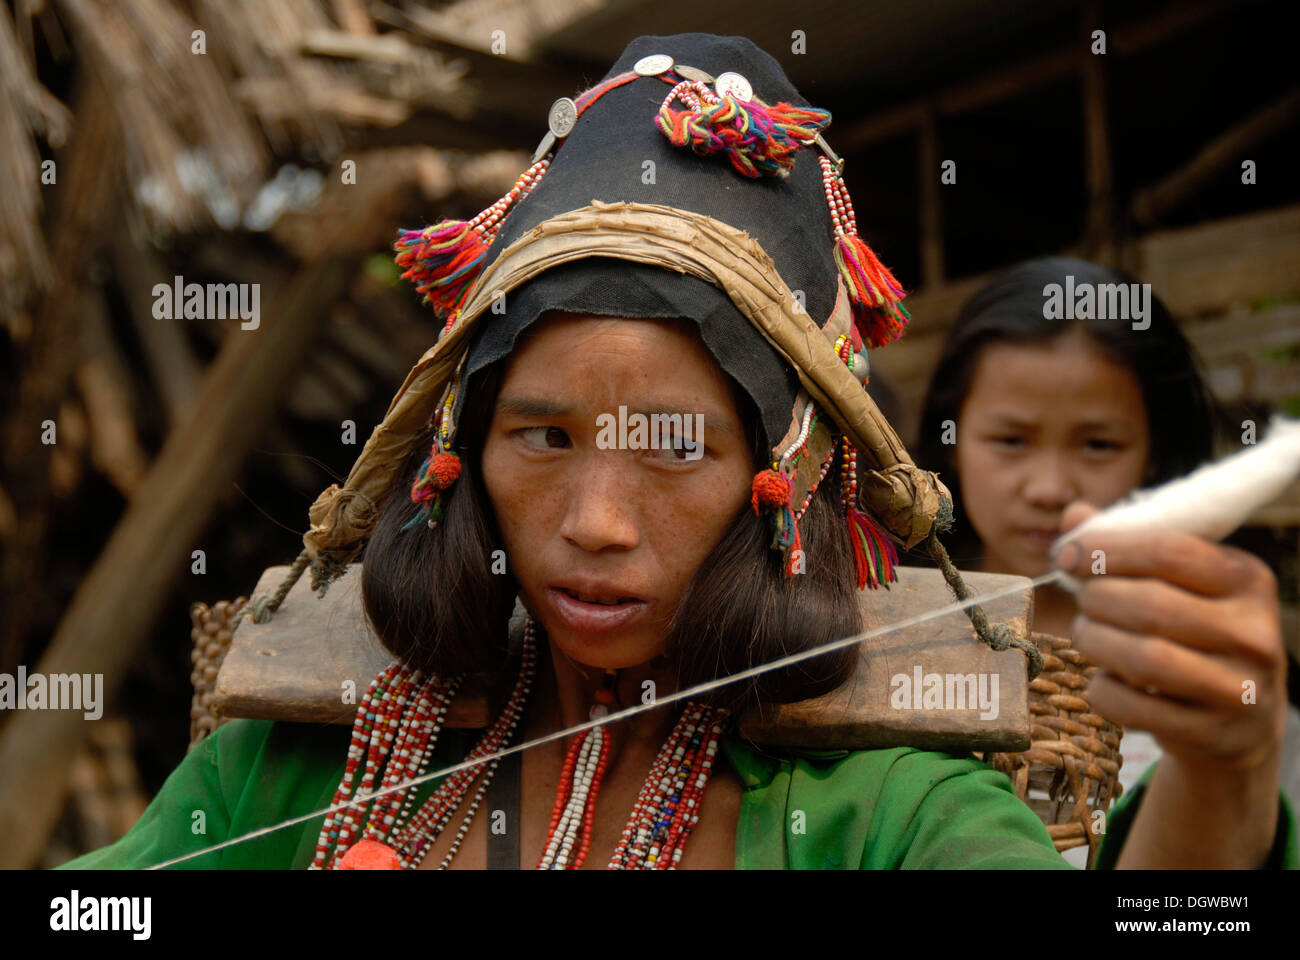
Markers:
283,142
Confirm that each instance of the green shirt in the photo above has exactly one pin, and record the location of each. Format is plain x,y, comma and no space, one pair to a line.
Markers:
898,808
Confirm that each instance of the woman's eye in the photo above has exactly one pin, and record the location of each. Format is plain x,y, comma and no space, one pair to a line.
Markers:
674,449
548,437
1102,446
1009,442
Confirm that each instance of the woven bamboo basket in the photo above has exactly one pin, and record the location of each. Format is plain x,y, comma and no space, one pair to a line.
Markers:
211,629
1069,775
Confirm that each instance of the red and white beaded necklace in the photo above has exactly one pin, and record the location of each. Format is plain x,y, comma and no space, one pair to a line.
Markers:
396,729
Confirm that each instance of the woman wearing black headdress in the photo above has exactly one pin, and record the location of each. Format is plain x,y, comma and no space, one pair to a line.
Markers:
726,301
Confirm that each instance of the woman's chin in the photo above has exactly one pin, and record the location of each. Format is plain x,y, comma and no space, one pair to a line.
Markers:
1035,567
604,652
1031,562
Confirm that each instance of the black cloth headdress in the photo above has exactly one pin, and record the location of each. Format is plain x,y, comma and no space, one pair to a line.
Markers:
693,182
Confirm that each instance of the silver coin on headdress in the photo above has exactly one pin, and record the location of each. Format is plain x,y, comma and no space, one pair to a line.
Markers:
735,84
653,65
563,117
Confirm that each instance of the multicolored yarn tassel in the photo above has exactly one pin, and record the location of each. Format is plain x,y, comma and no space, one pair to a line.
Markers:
874,293
774,492
876,297
444,260
438,472
759,139
874,554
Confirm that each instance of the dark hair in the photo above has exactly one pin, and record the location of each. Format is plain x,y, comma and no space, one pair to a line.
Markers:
1011,308
435,604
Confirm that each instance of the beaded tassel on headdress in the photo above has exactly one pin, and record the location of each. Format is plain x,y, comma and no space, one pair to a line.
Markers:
444,260
772,490
873,552
756,137
878,312
439,471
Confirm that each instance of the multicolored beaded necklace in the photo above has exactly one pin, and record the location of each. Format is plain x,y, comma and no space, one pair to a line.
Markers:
393,739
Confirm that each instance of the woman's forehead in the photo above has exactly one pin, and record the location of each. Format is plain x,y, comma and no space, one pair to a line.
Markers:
1066,379
592,322
588,340
576,362
1073,359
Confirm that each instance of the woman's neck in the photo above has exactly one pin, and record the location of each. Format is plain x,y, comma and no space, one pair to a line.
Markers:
566,692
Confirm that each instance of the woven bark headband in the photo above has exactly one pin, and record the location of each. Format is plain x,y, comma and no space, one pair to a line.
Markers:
666,192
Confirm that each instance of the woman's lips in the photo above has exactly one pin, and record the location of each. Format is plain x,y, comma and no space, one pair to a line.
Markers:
1040,539
583,617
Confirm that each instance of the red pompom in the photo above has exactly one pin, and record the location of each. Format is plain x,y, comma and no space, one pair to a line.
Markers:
370,854
771,489
444,470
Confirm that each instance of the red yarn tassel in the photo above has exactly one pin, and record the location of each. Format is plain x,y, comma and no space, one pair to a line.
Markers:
876,557
770,489
438,472
444,260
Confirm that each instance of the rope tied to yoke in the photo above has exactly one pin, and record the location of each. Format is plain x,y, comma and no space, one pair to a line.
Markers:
998,636
262,608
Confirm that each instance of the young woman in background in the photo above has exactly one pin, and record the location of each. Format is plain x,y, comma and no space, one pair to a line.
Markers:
1029,411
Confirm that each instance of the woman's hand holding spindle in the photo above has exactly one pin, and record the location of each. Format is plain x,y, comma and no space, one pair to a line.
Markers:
1188,638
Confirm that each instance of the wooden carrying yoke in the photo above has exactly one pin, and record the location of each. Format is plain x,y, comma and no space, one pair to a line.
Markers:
298,665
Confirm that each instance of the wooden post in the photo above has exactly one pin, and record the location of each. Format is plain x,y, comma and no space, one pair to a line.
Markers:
90,170
931,208
108,620
173,364
1099,231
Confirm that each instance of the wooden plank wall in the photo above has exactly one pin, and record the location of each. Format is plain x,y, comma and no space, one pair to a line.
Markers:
1234,284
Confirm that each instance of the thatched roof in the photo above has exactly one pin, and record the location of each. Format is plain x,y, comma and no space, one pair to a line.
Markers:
204,97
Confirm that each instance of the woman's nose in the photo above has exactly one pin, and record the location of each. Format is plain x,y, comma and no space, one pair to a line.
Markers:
600,511
1049,482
